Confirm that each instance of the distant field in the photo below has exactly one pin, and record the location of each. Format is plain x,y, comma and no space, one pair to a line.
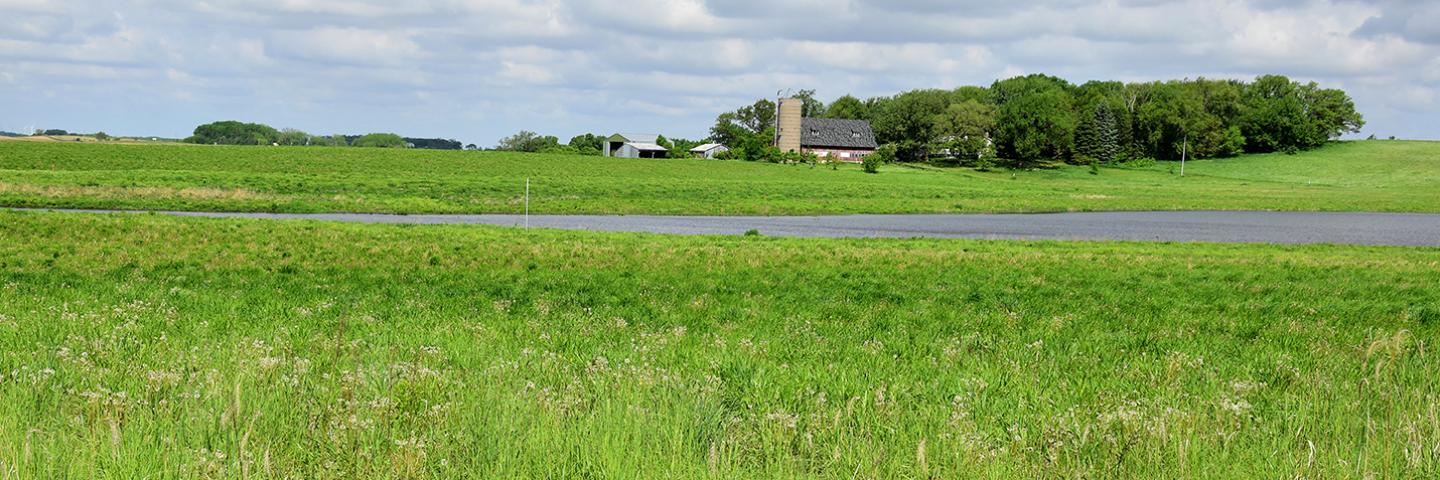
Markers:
82,139
1354,176
153,347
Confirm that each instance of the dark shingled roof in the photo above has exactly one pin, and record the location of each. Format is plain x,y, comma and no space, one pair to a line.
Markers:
836,133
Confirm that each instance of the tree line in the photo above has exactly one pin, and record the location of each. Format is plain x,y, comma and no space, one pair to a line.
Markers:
1035,118
583,144
240,133
1020,121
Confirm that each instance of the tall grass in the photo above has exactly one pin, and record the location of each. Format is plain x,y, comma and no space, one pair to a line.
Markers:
155,347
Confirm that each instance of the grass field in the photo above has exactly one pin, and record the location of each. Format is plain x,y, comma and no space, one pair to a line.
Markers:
155,347
1354,176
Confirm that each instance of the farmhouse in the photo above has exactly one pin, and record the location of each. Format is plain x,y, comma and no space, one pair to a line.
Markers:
847,140
709,150
634,145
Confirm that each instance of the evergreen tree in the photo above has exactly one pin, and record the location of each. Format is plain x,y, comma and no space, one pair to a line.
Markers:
1087,137
1107,138
1097,137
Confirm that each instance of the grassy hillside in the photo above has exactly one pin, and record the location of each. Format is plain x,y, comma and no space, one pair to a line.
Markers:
1375,176
147,346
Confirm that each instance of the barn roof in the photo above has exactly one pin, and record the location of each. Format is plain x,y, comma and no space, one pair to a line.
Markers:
646,147
834,132
706,147
635,138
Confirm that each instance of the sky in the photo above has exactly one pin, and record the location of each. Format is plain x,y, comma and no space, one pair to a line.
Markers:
478,70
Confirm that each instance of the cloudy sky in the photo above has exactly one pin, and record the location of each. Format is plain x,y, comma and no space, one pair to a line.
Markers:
476,70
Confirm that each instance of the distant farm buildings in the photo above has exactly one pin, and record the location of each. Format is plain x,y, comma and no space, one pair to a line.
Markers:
846,140
826,138
634,145
709,150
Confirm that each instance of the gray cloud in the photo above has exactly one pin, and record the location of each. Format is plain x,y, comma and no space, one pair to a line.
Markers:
479,69
1419,22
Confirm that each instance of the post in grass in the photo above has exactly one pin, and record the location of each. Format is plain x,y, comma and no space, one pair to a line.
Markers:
527,203
1184,152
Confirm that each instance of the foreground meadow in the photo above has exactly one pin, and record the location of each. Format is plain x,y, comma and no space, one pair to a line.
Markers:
140,346
1351,176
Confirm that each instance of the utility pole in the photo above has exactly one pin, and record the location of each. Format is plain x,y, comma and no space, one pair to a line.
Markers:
1184,150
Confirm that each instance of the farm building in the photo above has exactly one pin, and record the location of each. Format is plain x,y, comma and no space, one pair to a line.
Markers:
634,145
847,140
709,150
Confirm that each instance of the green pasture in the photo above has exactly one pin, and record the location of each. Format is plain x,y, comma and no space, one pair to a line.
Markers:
141,346
1391,176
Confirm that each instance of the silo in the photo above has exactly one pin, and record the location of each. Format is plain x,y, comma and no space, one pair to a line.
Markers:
790,125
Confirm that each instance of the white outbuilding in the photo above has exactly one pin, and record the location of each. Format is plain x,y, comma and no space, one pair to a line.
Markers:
709,150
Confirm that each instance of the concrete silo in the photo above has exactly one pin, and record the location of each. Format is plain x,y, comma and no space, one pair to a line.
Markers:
790,122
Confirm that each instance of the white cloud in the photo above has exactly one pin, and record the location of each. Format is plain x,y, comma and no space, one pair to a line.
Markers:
867,58
28,5
670,16
524,73
349,45
1431,72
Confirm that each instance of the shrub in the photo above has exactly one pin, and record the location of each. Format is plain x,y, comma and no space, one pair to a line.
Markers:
560,150
768,154
1140,162
985,163
1234,143
871,164
884,154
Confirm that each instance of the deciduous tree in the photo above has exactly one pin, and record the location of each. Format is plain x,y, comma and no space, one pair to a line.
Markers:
234,133
380,140
848,107
1036,120
527,141
965,128
908,122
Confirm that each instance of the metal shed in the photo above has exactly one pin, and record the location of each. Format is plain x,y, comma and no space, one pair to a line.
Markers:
634,145
709,150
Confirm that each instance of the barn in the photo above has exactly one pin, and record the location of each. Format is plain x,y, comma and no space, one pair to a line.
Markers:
847,140
634,145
